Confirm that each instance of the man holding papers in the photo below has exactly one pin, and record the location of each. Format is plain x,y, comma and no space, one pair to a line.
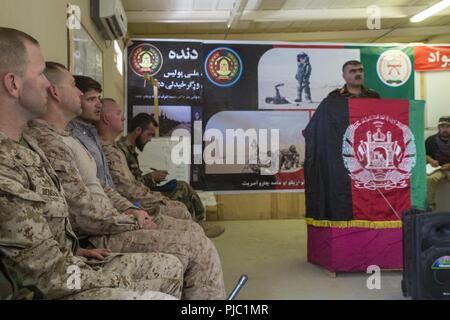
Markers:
438,155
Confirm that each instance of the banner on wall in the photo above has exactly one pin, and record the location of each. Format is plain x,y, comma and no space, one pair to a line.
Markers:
428,58
252,101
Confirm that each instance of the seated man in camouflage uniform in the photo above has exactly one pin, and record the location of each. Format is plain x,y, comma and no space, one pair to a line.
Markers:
92,213
353,74
36,236
110,127
141,130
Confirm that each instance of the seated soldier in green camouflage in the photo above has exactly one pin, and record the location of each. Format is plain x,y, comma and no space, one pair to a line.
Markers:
36,236
94,217
141,130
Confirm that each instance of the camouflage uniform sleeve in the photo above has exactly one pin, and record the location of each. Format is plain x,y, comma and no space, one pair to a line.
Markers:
89,215
30,248
133,165
125,182
8,287
148,180
117,200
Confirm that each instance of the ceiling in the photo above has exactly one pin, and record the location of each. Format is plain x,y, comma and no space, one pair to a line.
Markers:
285,20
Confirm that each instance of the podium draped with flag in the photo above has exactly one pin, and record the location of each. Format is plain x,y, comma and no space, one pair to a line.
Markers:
364,166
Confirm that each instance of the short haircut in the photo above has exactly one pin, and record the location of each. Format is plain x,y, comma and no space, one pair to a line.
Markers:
103,103
53,71
13,53
85,84
142,120
351,63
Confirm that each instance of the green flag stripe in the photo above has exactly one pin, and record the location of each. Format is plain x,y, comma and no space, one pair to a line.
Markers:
418,178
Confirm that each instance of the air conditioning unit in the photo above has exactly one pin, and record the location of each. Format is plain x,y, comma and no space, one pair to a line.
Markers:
110,18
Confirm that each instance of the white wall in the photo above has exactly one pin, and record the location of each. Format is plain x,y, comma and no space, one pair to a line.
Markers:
437,96
46,21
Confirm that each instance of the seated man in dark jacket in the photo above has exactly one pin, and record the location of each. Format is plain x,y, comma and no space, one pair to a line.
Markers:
437,148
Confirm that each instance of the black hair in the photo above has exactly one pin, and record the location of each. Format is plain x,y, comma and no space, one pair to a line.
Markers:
85,84
142,120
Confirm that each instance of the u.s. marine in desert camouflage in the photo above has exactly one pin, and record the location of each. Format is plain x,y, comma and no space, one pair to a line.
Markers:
39,244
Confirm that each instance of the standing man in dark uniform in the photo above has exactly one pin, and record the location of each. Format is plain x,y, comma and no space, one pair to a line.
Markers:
353,74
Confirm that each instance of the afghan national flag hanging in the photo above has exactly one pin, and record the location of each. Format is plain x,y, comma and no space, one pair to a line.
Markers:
365,162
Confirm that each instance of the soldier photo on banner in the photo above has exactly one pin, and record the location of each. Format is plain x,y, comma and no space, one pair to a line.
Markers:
304,77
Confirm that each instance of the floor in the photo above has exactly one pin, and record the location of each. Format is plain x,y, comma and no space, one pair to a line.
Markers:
272,253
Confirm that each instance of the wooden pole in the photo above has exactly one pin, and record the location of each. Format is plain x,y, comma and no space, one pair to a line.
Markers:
156,86
156,108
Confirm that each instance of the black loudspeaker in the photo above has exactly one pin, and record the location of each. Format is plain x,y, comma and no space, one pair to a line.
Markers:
426,255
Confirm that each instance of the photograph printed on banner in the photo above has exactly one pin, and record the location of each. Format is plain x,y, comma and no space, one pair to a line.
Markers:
170,118
286,149
300,78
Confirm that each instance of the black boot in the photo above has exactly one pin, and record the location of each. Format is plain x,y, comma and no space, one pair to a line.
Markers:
299,93
308,94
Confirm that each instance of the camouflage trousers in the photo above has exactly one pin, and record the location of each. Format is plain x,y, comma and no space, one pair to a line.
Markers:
165,222
172,209
187,195
119,294
150,276
203,277
433,181
12,289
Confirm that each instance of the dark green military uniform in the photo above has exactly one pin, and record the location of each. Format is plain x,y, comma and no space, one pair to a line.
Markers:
183,191
365,93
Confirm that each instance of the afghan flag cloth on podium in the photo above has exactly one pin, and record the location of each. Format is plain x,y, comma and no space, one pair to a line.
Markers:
364,166
365,162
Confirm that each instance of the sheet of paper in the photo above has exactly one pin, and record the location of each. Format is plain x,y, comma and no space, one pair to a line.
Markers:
431,169
208,198
157,154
